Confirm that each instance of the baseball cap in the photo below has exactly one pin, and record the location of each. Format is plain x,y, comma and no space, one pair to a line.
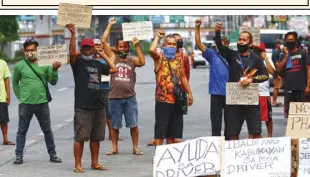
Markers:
87,42
260,47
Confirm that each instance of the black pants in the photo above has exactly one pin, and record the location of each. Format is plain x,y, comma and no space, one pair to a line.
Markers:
218,106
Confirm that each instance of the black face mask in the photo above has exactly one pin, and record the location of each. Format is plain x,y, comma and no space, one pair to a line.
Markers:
180,44
242,47
290,45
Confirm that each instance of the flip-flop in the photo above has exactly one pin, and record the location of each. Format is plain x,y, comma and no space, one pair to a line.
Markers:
137,153
78,170
8,143
99,167
111,153
151,143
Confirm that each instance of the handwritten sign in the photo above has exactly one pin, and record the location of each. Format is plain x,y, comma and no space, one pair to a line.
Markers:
298,123
255,31
79,15
265,157
238,95
304,158
47,55
142,30
195,157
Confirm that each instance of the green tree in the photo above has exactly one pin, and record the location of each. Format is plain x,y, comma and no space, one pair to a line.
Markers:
8,30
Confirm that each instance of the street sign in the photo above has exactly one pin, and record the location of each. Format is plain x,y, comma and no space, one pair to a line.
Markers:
137,18
176,18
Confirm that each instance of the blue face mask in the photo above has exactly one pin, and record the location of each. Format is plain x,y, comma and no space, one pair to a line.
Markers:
169,52
91,57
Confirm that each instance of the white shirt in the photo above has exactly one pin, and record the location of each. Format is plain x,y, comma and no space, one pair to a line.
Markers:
264,87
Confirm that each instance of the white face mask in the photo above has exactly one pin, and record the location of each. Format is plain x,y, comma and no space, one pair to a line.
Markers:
87,57
31,55
281,47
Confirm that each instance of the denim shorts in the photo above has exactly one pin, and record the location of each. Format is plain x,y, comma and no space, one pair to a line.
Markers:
124,106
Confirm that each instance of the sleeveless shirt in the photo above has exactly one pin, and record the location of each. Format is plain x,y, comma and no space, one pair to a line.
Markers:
122,84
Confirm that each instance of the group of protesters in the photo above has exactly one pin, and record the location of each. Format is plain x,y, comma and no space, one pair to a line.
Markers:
105,80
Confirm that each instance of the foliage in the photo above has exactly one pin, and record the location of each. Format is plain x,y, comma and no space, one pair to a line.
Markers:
8,30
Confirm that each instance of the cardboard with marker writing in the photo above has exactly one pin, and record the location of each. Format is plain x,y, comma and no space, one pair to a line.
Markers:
265,157
143,30
298,123
47,55
304,157
196,157
238,95
77,14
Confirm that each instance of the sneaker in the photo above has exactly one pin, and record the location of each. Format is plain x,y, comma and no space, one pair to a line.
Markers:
18,160
55,159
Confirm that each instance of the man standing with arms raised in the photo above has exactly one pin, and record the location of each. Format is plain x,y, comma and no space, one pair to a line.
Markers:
170,76
245,67
217,83
122,89
89,113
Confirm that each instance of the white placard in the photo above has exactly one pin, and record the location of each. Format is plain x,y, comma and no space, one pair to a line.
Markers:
298,123
197,157
265,157
142,30
304,158
47,55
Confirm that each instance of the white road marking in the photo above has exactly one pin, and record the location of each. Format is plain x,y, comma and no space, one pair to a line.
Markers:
59,125
69,137
28,142
41,134
62,89
69,120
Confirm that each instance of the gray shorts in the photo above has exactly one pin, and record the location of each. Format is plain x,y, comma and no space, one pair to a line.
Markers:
89,124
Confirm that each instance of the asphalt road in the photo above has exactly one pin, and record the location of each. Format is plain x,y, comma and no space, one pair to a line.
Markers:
36,159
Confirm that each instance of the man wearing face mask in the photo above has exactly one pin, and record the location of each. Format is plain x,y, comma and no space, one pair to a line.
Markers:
245,67
30,85
122,96
217,83
169,74
296,67
89,112
186,68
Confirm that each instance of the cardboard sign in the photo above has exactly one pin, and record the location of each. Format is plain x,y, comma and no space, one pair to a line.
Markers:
304,158
47,55
255,31
238,95
265,157
141,30
79,15
195,157
298,123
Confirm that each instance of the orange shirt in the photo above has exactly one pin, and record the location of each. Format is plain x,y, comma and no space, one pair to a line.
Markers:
164,85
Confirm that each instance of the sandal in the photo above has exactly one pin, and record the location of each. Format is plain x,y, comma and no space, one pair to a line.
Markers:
111,153
137,153
99,167
8,143
78,170
151,143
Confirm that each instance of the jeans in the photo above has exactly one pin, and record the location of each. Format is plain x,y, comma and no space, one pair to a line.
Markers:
218,106
42,112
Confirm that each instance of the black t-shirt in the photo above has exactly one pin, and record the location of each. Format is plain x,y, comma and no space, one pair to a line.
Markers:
87,78
295,78
238,64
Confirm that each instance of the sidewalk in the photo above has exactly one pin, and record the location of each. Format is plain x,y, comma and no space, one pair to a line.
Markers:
36,160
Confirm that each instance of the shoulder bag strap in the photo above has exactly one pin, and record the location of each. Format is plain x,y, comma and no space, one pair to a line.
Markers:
36,73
